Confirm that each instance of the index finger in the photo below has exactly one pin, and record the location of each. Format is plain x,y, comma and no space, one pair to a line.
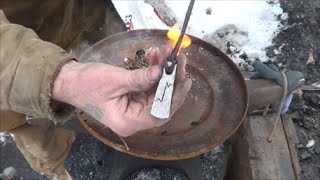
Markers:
181,67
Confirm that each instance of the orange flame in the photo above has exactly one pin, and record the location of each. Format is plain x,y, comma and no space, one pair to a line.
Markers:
173,36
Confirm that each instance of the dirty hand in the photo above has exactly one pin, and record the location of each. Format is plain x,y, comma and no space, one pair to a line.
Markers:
118,98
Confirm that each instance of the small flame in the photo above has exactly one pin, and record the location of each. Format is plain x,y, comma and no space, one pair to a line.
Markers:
173,36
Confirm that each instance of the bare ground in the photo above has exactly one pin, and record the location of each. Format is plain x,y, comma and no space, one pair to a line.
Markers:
299,37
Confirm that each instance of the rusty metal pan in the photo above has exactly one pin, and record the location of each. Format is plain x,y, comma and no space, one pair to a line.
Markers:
215,107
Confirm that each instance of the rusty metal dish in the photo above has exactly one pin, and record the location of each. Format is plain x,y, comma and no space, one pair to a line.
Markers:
215,107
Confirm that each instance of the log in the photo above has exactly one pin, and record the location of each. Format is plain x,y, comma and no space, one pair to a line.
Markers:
164,12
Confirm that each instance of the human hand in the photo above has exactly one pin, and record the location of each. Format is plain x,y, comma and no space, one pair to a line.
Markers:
118,98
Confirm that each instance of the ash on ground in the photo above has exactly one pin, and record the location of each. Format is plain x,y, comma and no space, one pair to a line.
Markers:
161,173
13,162
90,159
213,164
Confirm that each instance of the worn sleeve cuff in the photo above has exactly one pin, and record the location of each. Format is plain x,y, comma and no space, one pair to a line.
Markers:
32,86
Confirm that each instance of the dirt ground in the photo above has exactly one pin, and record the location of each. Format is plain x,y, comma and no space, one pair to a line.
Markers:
300,37
90,159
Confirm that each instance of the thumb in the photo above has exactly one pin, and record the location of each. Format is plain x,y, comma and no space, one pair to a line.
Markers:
143,79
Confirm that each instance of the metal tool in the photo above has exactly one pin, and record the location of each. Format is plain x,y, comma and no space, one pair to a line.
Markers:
162,101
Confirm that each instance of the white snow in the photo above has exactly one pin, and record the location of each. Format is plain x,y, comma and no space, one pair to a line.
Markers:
317,85
257,21
2,137
311,143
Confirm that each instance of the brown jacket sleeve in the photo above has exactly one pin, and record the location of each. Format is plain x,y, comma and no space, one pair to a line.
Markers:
28,67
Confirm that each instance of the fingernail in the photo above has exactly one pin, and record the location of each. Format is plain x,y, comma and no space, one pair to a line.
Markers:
154,73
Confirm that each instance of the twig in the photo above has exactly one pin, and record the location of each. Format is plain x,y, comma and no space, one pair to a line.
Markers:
124,142
265,111
258,112
305,135
283,98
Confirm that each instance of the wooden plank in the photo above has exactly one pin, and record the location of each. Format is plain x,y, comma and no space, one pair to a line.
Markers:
292,140
238,165
269,160
290,129
254,157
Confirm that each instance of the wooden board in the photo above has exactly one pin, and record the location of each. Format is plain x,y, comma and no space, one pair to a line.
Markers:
292,140
255,158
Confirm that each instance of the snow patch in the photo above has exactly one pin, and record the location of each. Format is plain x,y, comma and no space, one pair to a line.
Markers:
4,138
311,143
256,22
